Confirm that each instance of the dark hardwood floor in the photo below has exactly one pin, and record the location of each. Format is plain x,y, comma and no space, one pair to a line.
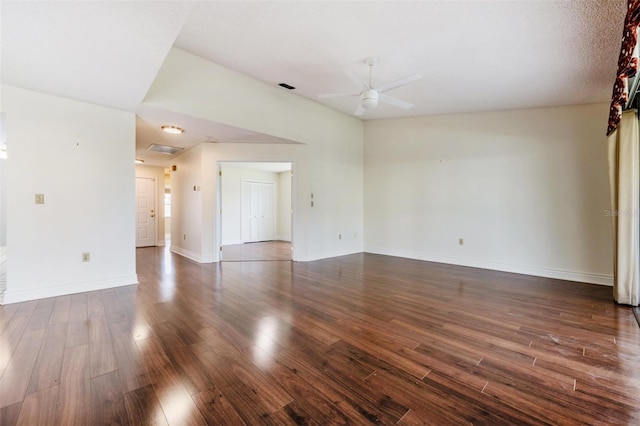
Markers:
264,250
352,340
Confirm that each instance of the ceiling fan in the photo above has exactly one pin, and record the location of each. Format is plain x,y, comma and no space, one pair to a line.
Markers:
369,96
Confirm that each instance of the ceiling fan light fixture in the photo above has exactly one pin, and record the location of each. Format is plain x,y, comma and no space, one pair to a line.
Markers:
369,99
174,130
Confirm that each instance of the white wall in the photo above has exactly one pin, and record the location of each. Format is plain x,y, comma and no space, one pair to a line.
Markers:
527,190
283,227
156,173
3,207
328,163
186,205
231,194
80,156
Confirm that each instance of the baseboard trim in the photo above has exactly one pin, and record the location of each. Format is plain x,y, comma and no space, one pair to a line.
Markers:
585,277
314,257
10,296
192,255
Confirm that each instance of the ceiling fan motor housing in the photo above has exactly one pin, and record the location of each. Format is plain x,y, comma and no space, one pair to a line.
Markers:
369,99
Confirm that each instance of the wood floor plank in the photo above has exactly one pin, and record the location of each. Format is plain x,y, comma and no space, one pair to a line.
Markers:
252,393
215,408
77,333
13,331
308,398
95,306
61,309
102,358
38,406
174,398
291,413
128,359
9,414
46,372
112,307
143,407
348,405
78,312
190,370
15,379
6,314
107,400
42,314
74,397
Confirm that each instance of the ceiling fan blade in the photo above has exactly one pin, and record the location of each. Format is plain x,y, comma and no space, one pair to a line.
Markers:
359,110
356,78
399,83
394,101
336,95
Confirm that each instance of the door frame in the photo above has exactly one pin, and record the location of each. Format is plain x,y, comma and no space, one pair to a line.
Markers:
218,217
155,209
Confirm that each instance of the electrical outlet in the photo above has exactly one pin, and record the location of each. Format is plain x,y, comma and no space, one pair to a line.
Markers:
339,236
39,198
461,241
184,237
86,257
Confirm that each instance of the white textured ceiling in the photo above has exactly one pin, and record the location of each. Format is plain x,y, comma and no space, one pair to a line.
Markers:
101,52
473,55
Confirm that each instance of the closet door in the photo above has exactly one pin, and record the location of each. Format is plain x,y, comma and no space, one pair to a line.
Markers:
258,211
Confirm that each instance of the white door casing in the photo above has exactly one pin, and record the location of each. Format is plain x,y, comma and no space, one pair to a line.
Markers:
145,212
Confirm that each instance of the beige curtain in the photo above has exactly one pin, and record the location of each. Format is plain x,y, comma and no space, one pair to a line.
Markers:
624,178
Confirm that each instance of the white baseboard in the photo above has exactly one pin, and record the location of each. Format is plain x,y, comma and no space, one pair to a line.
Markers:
15,296
316,256
196,257
283,238
561,274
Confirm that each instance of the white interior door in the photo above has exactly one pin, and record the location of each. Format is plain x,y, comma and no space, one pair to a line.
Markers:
257,211
145,212
245,212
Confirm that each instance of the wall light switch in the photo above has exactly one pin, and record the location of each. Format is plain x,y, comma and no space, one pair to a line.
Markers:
461,241
39,198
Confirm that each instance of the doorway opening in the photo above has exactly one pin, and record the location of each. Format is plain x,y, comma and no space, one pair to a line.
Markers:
255,211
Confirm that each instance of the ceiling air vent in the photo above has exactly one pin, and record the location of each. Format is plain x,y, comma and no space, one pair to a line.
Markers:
164,149
286,86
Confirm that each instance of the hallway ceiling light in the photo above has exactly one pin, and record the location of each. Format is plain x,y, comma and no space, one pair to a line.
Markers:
164,149
174,130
